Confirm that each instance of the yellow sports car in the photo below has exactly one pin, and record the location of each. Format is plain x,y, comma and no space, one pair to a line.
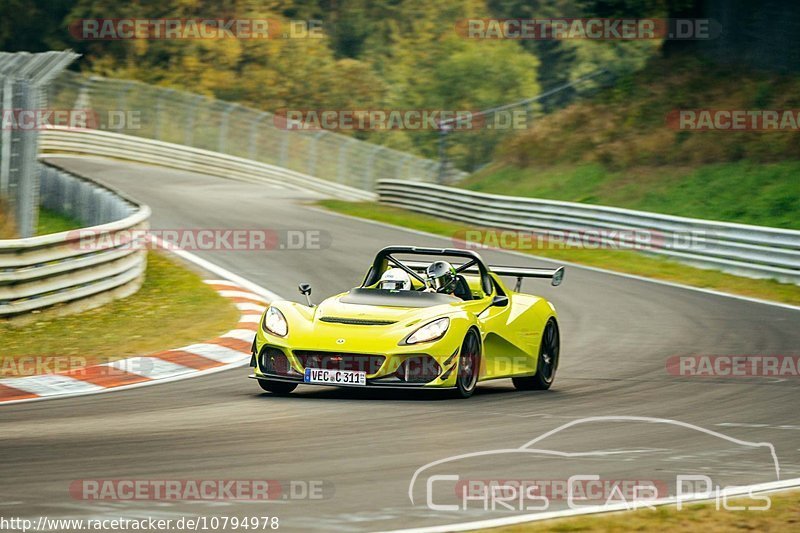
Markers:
417,321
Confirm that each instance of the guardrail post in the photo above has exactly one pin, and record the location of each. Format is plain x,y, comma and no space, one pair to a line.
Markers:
254,131
190,120
5,139
314,153
27,174
122,97
341,161
369,184
406,167
443,131
284,154
83,100
223,127
160,112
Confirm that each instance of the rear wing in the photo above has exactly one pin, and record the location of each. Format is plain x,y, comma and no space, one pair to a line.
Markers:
556,275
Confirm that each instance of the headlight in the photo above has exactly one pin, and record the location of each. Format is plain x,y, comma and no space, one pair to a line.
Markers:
275,322
430,331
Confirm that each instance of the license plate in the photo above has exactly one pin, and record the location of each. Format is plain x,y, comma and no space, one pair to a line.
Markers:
335,377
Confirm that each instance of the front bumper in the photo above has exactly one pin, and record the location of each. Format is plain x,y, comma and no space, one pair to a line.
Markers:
407,367
371,383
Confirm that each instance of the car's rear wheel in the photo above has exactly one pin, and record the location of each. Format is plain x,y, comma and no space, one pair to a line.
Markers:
548,361
279,388
469,364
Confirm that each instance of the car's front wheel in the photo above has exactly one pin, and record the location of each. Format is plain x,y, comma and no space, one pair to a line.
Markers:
280,388
469,364
548,361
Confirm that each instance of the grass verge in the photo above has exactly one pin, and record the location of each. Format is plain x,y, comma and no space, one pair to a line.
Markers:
53,222
172,309
49,222
783,515
7,228
766,194
628,262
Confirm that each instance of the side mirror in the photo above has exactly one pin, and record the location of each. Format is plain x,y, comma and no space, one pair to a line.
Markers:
305,290
558,277
499,301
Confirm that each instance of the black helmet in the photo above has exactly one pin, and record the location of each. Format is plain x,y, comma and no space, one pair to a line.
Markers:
441,276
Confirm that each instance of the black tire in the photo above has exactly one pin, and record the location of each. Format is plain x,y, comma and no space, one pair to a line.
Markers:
279,388
548,361
469,364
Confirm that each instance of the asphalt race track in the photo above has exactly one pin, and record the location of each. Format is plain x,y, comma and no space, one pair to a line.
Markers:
617,334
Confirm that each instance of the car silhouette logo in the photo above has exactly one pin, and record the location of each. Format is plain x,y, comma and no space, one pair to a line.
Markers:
339,341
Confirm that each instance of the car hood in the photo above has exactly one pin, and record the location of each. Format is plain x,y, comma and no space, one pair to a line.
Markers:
338,325
339,310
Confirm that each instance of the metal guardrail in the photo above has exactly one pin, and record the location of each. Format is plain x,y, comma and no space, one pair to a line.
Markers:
753,251
127,147
38,272
188,119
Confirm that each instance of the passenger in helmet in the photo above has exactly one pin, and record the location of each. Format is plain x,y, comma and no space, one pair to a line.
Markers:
395,279
440,277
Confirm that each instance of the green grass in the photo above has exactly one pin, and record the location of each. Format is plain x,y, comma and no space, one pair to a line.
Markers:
49,222
783,515
765,194
172,309
54,222
7,228
629,262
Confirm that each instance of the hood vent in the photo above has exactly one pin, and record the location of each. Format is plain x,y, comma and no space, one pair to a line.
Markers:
356,321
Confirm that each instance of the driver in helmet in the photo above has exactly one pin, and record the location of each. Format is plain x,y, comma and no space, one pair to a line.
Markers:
395,279
440,277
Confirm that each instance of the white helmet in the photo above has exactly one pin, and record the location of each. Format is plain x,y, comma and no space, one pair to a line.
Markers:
395,279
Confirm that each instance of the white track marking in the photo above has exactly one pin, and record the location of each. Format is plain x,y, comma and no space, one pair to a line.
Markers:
49,385
245,306
217,353
757,426
241,334
220,271
225,282
241,294
250,319
150,367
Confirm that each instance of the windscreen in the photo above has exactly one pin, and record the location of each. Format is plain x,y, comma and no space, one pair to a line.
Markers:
389,298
